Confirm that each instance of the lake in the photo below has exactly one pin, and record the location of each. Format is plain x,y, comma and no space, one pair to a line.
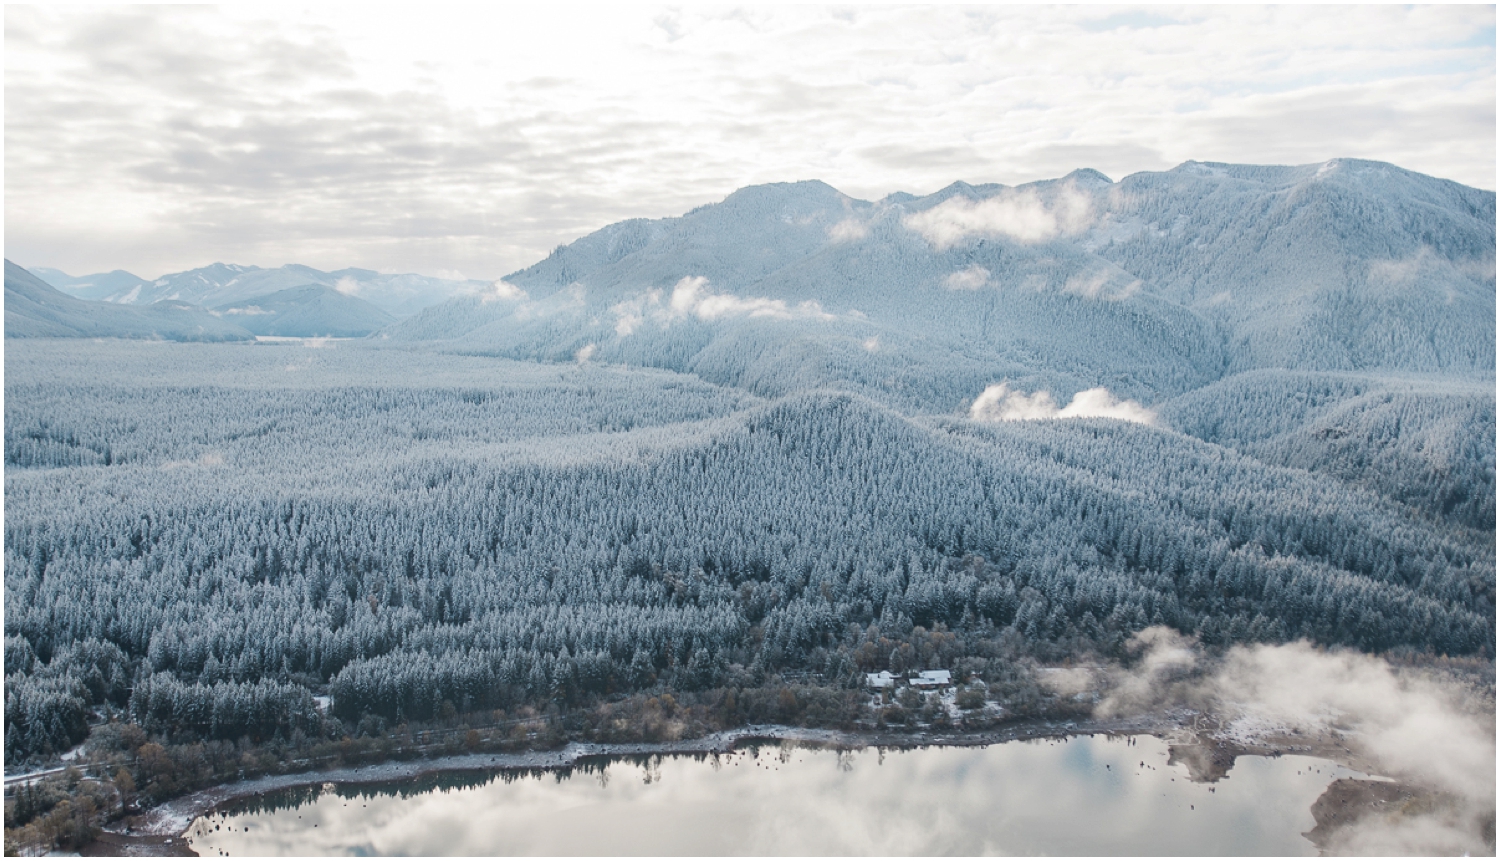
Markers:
1083,796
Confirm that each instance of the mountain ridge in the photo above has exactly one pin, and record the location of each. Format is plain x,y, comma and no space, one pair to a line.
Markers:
34,309
218,284
1151,286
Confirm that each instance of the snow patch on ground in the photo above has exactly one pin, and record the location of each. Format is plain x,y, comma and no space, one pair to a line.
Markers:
1251,730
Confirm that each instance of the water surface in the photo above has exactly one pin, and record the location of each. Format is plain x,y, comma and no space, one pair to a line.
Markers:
1083,796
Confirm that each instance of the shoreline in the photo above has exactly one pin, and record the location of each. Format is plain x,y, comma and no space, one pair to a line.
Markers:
166,824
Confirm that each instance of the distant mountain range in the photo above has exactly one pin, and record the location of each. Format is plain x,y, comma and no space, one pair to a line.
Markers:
1151,286
227,284
102,287
33,309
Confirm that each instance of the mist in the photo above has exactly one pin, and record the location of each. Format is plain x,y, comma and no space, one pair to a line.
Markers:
999,402
1021,216
1415,726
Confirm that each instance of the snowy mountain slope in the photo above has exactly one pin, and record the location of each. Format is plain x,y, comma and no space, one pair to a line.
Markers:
104,286
224,284
1342,266
1152,286
804,263
1424,441
310,310
33,309
751,233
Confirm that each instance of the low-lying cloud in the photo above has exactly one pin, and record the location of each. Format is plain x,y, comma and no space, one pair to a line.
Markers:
1414,726
1425,264
1001,403
973,278
1022,216
693,298
207,459
848,230
1106,285
502,291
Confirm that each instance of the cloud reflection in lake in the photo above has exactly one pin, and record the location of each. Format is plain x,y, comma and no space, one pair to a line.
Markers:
1020,798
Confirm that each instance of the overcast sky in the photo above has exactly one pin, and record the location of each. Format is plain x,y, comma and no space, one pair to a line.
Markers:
435,141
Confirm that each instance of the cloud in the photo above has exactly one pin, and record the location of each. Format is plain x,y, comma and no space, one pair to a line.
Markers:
999,402
159,139
207,459
631,313
585,353
687,294
627,323
1427,265
691,297
1412,725
502,291
1069,681
848,230
1415,726
973,278
1166,662
1092,285
348,286
1021,215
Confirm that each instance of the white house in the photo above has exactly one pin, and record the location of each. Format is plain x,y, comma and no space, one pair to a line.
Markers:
882,679
933,679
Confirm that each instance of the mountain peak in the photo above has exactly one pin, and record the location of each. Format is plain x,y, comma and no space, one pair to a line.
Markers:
1087,176
813,191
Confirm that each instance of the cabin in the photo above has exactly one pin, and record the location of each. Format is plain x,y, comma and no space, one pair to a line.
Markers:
880,680
929,679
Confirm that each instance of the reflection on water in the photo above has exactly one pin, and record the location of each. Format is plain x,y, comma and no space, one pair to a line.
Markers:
1084,796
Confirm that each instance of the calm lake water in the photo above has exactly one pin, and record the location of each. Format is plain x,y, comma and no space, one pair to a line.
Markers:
1083,796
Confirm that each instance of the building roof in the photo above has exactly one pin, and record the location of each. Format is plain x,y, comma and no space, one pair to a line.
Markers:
928,678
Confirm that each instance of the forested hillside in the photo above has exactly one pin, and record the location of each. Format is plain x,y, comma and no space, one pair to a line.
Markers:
246,526
789,433
311,310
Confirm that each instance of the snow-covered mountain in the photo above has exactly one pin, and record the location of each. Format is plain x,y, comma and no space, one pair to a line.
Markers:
1001,427
227,283
103,286
33,309
1151,286
307,311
